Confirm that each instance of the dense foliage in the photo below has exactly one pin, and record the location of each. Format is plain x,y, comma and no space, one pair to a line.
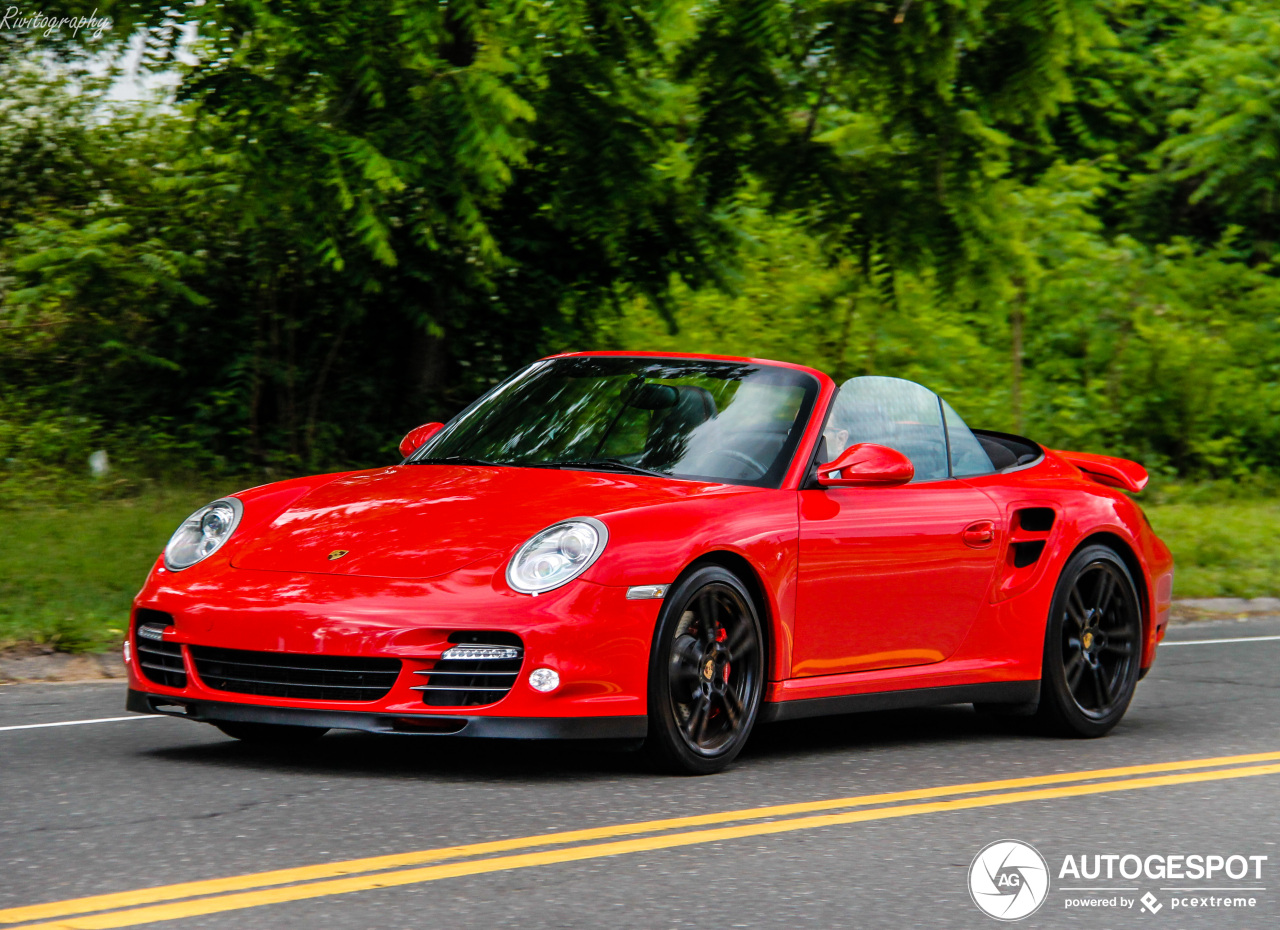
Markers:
350,217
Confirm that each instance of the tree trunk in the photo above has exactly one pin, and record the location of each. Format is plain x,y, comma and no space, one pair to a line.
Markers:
317,390
846,330
428,368
1017,320
291,370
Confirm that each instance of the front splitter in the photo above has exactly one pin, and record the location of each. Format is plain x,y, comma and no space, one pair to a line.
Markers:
397,724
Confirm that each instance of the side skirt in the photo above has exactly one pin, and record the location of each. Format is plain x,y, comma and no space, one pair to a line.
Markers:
996,692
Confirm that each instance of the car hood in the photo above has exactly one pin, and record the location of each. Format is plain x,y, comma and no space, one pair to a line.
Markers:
422,521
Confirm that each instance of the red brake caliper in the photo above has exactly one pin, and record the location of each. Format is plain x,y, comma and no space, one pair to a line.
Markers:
722,635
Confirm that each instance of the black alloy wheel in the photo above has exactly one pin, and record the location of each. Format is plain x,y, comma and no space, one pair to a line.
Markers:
1093,645
706,675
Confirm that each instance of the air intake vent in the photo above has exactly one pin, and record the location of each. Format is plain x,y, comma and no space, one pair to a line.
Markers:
480,668
1026,553
293,675
1036,519
161,661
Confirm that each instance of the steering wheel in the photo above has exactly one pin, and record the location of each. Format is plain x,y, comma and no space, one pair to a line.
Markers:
744,459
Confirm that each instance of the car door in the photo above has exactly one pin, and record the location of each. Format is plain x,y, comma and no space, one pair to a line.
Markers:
891,577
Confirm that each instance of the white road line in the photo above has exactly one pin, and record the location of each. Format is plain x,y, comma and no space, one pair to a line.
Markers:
1206,642
76,723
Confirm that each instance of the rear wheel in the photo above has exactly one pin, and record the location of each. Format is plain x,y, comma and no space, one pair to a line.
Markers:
270,734
706,674
1092,647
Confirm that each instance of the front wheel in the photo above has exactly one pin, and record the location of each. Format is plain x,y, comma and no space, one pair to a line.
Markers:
706,674
1093,645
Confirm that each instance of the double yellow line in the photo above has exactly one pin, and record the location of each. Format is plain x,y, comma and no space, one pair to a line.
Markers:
191,899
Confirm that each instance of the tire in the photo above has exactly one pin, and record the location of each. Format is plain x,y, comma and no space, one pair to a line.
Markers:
706,674
270,734
1092,646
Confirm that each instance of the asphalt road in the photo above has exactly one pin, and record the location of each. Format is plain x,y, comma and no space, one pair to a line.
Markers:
144,803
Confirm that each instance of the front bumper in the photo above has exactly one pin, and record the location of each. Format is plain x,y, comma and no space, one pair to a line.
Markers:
596,639
417,725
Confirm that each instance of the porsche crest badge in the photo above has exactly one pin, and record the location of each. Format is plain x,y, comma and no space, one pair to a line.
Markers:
337,554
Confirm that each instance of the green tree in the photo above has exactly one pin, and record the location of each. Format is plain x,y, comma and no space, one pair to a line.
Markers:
354,217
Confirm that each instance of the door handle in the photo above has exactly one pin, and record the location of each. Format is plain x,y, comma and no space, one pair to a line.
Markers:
979,535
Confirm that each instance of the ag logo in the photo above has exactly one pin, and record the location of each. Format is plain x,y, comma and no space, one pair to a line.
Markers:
1008,880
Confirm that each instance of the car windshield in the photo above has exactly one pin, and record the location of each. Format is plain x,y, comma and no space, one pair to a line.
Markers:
730,422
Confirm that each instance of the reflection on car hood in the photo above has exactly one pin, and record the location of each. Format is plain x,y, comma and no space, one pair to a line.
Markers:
421,521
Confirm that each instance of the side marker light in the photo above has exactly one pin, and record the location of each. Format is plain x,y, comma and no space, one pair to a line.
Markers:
645,592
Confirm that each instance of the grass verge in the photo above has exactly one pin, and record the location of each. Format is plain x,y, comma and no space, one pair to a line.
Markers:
1226,548
69,572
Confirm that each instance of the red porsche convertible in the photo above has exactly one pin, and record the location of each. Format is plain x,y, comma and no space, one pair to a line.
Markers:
667,548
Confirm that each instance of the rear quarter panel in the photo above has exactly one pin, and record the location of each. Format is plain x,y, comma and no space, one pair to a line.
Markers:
1084,510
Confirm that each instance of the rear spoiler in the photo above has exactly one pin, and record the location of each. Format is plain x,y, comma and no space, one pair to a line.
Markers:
1109,470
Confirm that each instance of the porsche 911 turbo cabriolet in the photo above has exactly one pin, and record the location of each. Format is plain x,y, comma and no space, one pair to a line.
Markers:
667,549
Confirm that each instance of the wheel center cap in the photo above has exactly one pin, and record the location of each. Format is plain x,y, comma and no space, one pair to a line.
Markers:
1087,640
708,668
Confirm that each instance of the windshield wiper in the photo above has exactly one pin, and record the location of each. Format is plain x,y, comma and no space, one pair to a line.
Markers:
453,460
597,464
606,465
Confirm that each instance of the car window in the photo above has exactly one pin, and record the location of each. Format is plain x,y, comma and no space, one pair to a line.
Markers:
735,422
968,458
891,412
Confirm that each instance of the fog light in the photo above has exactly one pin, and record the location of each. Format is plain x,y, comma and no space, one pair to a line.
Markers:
544,679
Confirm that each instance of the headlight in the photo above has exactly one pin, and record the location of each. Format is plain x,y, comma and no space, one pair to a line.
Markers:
557,555
202,533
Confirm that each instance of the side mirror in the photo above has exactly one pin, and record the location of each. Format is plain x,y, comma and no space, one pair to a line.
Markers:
413,442
866,465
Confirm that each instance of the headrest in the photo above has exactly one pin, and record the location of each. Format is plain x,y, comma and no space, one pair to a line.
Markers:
648,396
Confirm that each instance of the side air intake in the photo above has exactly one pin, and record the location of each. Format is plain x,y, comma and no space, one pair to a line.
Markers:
161,661
479,668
